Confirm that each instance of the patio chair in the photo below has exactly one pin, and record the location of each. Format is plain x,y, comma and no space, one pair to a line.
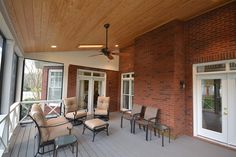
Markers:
150,116
137,110
73,112
49,129
102,110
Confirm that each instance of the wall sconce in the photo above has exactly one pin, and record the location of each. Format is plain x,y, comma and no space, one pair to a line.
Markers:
182,84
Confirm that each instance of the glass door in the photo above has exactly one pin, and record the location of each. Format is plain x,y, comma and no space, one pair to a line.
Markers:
83,93
212,106
127,91
98,90
90,85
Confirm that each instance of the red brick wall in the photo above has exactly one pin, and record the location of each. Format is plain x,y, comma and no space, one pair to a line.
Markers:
209,37
45,80
111,86
163,57
126,63
159,67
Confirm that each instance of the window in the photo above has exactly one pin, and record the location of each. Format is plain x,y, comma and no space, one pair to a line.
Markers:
42,80
127,90
54,84
14,78
2,46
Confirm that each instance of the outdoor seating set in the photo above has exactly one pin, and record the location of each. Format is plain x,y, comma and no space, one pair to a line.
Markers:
146,117
57,131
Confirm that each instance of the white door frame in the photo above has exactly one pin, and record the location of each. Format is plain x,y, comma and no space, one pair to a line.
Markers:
230,73
91,80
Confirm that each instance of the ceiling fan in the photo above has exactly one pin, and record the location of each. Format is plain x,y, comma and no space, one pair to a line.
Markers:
105,51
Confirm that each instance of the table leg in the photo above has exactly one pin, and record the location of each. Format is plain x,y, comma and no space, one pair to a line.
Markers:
169,135
150,134
162,136
77,149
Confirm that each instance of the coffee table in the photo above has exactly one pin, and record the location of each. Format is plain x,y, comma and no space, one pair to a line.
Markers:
161,129
63,141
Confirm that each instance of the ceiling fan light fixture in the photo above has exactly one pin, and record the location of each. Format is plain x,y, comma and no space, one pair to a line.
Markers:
90,46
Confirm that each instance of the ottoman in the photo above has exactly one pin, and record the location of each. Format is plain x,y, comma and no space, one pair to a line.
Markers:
96,125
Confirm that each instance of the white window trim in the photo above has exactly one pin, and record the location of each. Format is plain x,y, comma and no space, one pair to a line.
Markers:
49,76
130,78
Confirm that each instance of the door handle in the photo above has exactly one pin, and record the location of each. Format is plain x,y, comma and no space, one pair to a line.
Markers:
225,113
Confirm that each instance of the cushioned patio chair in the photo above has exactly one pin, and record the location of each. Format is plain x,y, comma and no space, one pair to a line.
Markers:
73,112
49,129
137,110
102,110
150,116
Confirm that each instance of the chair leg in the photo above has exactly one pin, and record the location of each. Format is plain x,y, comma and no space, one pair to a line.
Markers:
83,129
133,127
155,132
77,149
139,126
121,122
94,135
107,131
146,133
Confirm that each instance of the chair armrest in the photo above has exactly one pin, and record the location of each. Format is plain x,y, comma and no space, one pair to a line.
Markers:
136,116
58,124
150,119
125,111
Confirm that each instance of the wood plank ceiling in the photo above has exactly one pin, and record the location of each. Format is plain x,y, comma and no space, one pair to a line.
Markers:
68,23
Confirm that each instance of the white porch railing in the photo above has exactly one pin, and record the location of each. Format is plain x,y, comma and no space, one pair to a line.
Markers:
8,122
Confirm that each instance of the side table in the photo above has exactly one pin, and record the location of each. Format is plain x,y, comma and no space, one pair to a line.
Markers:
161,129
63,141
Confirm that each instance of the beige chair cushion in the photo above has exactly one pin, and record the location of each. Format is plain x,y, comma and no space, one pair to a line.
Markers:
150,112
92,123
57,131
79,114
100,112
58,120
41,121
103,103
70,104
36,108
136,109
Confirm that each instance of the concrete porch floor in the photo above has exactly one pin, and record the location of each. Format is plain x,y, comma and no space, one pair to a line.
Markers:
120,143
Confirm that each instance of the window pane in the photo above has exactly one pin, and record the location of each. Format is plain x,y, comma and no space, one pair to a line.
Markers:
211,68
212,105
1,47
125,102
125,87
55,84
232,65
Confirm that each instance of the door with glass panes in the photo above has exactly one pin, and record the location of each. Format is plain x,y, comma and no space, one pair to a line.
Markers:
127,90
216,101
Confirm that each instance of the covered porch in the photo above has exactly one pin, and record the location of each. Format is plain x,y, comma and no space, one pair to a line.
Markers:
120,143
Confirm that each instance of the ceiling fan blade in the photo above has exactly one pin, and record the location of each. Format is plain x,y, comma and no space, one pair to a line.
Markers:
120,54
96,55
110,57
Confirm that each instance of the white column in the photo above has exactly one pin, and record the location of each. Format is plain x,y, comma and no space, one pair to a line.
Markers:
65,80
19,79
7,74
